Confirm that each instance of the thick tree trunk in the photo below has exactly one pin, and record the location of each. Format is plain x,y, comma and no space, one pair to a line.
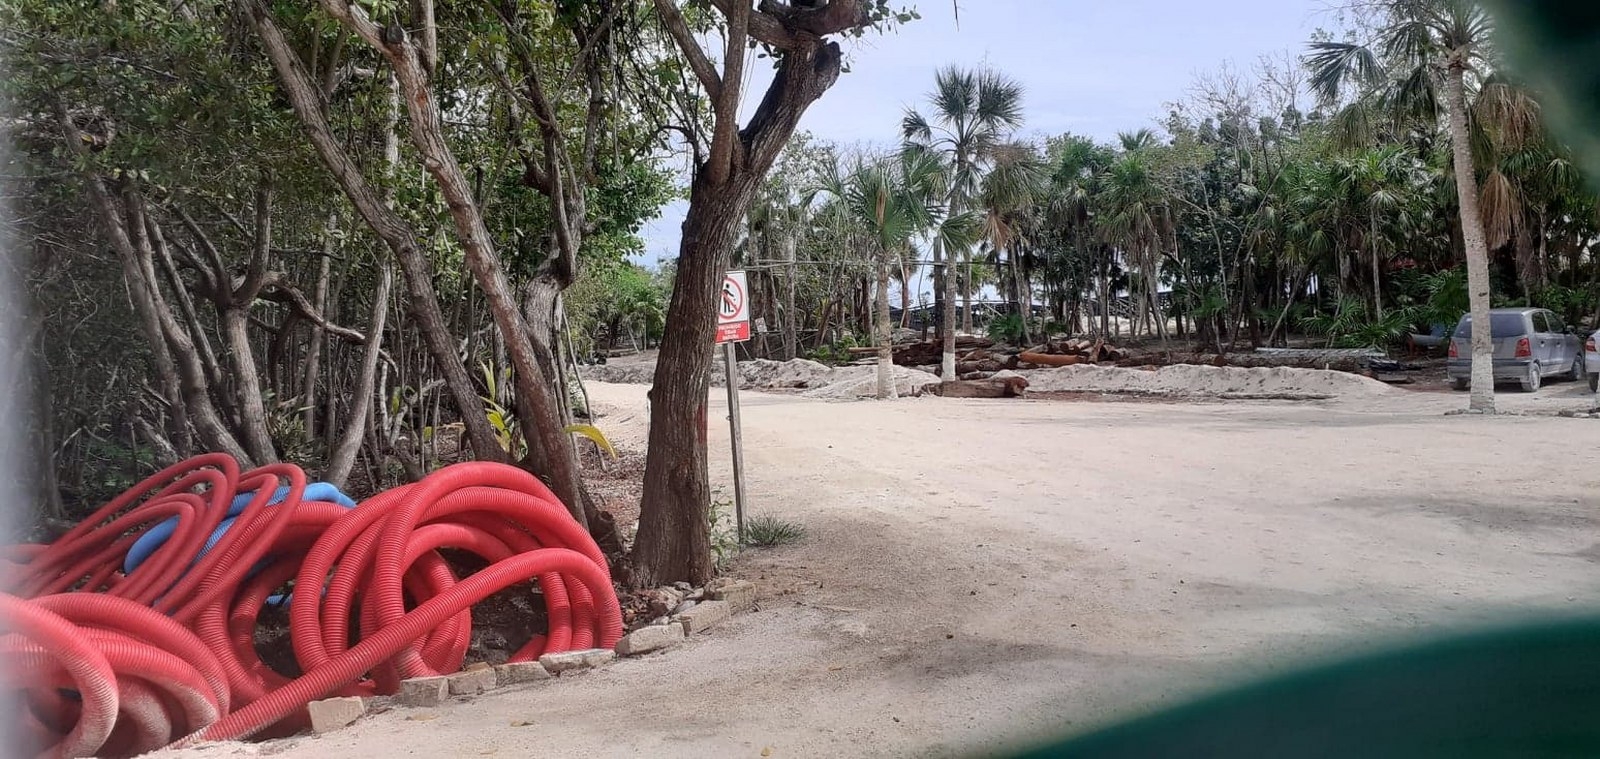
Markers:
886,388
674,531
674,541
1477,249
343,458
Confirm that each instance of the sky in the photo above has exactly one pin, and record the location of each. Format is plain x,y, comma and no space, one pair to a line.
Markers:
1091,67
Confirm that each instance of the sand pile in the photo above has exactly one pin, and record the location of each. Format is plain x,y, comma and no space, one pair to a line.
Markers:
1206,381
635,373
818,380
862,382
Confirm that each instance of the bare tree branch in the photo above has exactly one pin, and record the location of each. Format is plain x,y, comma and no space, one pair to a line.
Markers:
698,61
726,149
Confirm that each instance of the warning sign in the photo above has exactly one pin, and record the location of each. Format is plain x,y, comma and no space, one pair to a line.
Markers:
733,309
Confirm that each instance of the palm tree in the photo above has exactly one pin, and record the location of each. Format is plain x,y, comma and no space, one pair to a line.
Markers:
883,199
1426,48
1138,221
1374,193
973,114
1009,196
1077,166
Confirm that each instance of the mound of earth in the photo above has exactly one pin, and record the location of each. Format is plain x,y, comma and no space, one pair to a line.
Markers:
862,382
1206,381
818,380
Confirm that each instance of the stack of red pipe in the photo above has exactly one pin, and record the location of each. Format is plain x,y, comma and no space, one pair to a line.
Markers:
113,664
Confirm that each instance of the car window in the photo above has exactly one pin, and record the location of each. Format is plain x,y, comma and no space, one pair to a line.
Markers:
1540,324
1554,321
1500,325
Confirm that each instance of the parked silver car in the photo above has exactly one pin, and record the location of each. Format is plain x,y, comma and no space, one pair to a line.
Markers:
1529,345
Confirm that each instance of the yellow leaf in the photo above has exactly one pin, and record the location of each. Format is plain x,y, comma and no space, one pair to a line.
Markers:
593,433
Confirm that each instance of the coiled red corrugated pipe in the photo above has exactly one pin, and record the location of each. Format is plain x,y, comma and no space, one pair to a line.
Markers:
114,664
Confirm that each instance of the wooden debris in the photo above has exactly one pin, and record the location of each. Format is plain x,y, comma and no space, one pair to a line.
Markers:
1006,387
1050,359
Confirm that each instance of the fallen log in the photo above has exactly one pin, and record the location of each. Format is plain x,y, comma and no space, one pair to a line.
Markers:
1006,387
1048,359
1094,352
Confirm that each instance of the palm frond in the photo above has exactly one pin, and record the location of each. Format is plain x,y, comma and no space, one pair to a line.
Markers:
1500,206
1334,64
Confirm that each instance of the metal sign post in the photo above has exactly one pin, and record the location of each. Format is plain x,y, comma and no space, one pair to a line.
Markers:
733,327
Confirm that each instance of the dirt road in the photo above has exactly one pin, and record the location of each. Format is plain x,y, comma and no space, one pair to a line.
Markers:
979,572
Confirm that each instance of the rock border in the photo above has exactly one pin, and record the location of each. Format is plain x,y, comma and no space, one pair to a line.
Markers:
695,610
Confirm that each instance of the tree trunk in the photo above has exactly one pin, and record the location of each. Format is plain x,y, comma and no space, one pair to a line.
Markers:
967,287
1377,284
947,313
886,388
308,394
674,541
387,225
791,335
905,296
1477,249
1023,296
343,458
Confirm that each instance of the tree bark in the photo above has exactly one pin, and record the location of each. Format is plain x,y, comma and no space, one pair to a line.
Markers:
947,313
1377,285
791,332
423,301
886,389
314,344
674,531
1477,249
343,458
235,317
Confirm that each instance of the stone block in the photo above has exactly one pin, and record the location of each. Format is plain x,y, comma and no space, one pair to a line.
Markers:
513,673
575,660
705,615
424,691
334,713
740,595
472,682
647,639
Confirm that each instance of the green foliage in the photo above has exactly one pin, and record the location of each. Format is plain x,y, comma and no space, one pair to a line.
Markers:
724,533
1353,325
1576,305
766,531
836,353
1007,328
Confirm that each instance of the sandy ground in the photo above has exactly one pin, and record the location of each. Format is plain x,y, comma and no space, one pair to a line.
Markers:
981,572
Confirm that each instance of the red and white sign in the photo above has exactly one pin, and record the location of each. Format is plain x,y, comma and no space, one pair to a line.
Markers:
733,309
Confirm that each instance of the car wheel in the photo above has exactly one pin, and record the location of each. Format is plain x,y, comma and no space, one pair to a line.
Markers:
1460,383
1577,368
1531,382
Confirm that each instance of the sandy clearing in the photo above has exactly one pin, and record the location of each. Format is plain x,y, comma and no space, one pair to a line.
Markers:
981,571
